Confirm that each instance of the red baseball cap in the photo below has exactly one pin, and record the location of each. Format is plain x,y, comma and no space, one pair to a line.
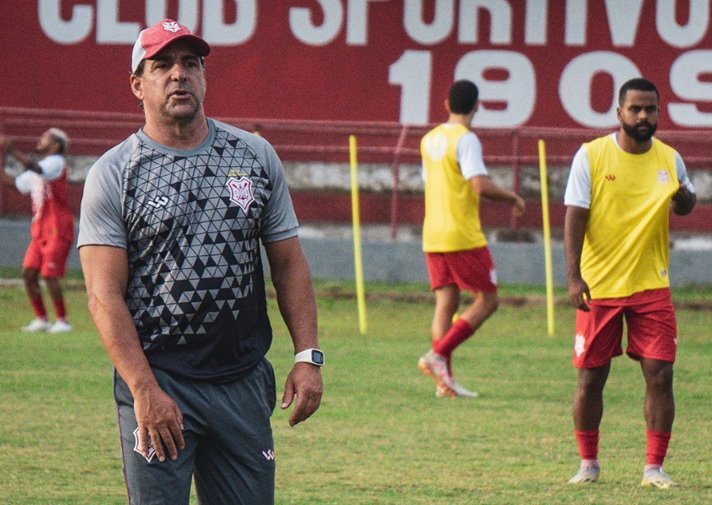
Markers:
152,40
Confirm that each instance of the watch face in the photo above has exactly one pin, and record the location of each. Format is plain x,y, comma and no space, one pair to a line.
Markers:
318,357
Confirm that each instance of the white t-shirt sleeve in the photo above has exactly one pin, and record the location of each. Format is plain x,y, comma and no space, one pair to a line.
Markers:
469,156
27,181
52,166
578,188
682,173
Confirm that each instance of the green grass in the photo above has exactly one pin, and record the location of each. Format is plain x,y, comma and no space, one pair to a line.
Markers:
381,436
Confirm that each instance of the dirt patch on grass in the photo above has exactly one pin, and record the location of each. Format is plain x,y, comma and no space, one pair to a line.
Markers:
336,293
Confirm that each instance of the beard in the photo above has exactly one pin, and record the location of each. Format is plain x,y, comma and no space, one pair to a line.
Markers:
182,115
635,131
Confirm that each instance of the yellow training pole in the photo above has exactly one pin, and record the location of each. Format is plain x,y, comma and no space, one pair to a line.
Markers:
547,239
356,218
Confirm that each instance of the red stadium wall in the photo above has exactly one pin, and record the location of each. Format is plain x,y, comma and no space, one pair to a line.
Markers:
313,71
388,146
544,63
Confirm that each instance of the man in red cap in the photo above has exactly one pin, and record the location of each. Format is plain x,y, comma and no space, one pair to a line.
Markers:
152,40
170,231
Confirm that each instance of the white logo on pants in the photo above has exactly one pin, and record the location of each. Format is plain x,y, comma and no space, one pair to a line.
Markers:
151,450
580,344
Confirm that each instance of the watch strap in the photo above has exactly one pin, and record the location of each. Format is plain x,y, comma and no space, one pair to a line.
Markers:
313,356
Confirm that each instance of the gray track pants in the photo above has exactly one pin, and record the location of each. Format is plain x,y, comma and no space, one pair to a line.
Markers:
229,447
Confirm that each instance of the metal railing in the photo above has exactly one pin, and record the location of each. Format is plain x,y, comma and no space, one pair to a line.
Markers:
389,143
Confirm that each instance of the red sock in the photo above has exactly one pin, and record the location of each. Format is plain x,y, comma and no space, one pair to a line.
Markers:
457,334
587,444
657,446
59,309
38,307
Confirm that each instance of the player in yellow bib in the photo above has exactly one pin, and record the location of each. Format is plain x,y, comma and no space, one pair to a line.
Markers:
455,247
619,195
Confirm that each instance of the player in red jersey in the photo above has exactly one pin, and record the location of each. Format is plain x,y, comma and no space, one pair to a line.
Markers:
52,229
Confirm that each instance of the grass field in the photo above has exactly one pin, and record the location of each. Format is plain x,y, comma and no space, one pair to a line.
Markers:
381,435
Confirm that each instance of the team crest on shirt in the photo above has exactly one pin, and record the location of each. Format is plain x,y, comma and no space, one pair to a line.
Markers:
663,176
241,192
436,146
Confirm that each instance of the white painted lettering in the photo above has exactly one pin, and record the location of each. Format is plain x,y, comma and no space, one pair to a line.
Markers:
575,86
500,13
428,34
686,83
219,33
109,30
303,28
687,35
623,20
536,18
517,91
412,72
64,32
575,22
157,10
357,22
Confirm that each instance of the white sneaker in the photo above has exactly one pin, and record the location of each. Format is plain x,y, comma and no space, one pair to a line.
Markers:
455,389
37,325
60,327
435,366
585,474
655,477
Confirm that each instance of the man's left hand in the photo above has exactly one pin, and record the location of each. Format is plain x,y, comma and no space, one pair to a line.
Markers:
304,382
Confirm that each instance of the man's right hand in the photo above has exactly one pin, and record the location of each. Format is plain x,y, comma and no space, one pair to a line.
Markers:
160,421
579,294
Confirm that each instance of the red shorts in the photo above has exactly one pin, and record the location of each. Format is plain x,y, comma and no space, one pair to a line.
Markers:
49,256
649,318
472,270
